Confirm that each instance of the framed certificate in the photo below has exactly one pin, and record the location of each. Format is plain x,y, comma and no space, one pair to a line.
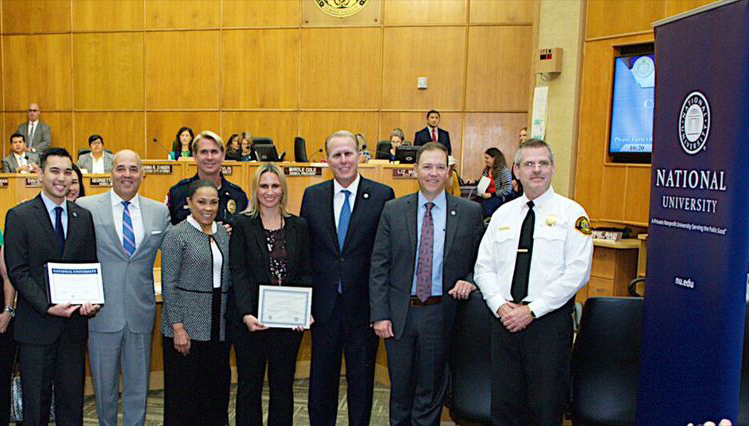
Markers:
285,307
75,283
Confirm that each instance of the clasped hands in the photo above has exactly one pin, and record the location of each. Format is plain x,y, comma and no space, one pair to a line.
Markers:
253,324
514,317
67,310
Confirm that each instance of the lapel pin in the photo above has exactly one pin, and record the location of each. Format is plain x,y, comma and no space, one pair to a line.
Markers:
75,214
366,195
452,213
551,220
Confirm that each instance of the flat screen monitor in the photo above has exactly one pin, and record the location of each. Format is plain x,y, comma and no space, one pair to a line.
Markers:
632,105
406,154
266,152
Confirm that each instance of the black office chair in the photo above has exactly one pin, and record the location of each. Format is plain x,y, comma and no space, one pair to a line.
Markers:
469,395
606,362
262,141
300,150
383,150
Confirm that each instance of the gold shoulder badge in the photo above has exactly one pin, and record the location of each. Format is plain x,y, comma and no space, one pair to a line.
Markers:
231,206
582,224
341,8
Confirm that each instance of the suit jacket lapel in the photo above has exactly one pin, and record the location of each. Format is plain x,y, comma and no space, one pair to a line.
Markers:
259,235
330,215
291,251
412,209
74,225
451,224
43,217
147,226
360,206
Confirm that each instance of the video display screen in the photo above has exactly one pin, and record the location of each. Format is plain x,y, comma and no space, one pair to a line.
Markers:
632,105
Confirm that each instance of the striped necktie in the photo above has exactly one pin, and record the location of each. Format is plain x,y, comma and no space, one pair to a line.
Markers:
128,235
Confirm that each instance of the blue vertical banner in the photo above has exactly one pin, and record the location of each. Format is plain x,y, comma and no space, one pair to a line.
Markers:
698,244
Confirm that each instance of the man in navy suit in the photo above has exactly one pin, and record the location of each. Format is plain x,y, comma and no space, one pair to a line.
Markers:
342,216
432,133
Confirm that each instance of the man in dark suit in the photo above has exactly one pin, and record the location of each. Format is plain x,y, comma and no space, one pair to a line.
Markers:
342,216
52,338
432,133
423,257
38,135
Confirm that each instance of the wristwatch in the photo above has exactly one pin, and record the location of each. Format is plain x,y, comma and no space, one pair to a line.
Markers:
10,310
533,314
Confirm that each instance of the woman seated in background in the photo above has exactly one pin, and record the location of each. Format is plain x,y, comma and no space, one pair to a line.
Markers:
499,181
96,160
76,189
182,145
233,148
195,279
397,138
246,150
269,246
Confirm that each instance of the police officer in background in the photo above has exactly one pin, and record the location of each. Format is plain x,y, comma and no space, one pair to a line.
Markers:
534,257
208,149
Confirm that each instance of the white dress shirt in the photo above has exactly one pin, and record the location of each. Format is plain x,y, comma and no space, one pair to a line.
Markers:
50,206
136,216
21,160
561,259
218,258
97,165
339,197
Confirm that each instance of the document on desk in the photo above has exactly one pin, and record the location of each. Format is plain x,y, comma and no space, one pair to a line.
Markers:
75,283
285,307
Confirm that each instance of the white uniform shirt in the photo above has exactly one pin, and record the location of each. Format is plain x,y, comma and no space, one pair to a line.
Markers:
561,259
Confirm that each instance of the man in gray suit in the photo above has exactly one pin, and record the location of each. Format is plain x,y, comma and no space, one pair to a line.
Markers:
97,160
38,135
20,161
422,262
130,229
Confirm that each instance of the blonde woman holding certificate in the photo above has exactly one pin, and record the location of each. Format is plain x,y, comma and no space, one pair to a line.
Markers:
269,246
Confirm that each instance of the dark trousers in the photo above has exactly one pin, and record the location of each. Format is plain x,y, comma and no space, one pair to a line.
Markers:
60,363
530,370
356,341
417,366
7,356
278,348
196,386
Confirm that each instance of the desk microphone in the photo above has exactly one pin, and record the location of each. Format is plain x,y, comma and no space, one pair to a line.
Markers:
156,142
315,153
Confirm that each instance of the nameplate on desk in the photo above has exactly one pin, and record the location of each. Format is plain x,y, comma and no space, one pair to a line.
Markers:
403,173
157,169
33,182
607,235
4,182
101,181
302,171
227,170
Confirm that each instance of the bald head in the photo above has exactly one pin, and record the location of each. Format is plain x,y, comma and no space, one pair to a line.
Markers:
34,112
126,154
127,174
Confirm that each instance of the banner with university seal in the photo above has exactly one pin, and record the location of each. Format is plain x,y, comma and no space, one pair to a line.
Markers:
341,13
698,243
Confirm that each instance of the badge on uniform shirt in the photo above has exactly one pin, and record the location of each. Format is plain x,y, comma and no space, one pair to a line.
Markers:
582,224
231,206
551,220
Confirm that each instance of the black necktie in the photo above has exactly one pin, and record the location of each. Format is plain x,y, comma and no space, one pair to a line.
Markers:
523,261
58,229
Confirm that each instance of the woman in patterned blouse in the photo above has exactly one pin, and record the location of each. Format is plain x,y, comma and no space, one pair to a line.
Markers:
269,246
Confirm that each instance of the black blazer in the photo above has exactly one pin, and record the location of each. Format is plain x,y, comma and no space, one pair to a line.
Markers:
423,136
394,257
351,266
29,244
249,262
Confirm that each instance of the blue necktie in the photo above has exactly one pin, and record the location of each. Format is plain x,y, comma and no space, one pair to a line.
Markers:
128,236
343,219
59,229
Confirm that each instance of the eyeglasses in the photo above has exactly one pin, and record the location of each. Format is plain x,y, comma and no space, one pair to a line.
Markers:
543,164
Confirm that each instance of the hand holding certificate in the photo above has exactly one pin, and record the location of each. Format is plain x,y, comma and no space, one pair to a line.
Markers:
285,307
75,284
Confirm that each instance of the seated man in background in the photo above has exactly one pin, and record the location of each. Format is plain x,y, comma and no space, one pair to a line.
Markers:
432,133
98,160
19,161
38,135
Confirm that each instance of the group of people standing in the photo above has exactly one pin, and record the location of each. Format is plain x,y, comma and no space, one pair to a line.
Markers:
379,267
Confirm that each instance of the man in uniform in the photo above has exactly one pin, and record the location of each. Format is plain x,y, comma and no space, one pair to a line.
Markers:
534,257
208,149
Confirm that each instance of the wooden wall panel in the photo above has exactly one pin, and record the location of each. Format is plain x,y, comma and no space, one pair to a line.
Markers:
182,70
260,13
35,16
411,53
316,126
279,125
483,131
164,125
498,58
674,7
37,68
611,17
260,69
341,68
636,206
425,12
612,197
170,14
493,11
370,15
108,71
120,130
107,15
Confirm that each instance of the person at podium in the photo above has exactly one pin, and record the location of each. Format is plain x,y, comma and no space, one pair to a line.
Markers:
182,145
20,161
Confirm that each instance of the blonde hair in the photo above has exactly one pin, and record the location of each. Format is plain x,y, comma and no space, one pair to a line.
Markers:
207,134
253,209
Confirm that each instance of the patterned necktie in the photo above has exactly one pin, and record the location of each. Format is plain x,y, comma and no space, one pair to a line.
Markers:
519,287
434,135
59,229
426,248
343,220
31,133
128,235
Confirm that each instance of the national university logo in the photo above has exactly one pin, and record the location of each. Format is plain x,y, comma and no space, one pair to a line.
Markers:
694,122
341,8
